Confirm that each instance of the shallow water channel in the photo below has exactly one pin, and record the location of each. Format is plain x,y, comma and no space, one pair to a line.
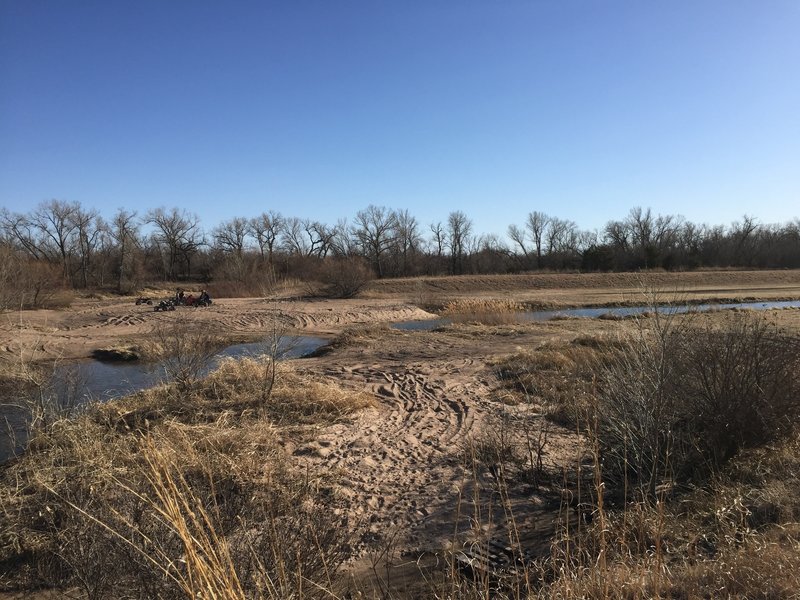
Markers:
615,311
106,380
83,381
80,382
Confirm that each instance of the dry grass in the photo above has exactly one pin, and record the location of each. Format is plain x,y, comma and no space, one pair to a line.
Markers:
482,311
558,377
357,335
544,281
738,537
234,391
735,535
174,493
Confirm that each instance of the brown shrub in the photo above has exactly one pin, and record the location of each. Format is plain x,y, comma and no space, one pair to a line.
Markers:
28,283
680,400
343,277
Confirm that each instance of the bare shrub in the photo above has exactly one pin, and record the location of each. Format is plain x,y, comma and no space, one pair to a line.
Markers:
186,351
295,397
512,445
736,537
344,277
743,385
681,400
35,395
258,279
29,283
427,295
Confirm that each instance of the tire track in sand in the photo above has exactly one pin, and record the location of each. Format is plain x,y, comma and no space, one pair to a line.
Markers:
400,463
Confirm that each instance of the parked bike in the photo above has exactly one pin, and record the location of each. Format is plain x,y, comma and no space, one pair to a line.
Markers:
164,305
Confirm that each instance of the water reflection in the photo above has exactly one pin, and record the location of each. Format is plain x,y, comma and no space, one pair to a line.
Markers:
74,384
616,311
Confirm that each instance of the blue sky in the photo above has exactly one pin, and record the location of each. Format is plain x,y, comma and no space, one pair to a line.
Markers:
580,109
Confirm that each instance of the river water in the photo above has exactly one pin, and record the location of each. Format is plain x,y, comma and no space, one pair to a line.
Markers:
616,311
84,381
80,382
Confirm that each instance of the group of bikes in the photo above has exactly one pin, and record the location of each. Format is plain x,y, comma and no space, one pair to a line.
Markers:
179,299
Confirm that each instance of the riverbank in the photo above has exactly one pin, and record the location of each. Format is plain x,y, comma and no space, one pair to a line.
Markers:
91,324
465,427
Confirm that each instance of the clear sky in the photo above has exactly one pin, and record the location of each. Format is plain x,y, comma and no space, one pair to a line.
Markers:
581,109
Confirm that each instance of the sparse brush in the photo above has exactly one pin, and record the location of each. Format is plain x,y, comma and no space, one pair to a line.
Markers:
683,398
557,377
357,335
188,509
296,397
737,537
427,297
485,311
235,391
184,348
343,277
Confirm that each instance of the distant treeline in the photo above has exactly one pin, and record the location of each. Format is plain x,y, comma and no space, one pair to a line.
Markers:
73,244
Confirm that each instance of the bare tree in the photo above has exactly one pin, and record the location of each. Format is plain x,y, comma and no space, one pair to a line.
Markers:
560,235
439,238
52,227
124,230
292,238
342,244
320,237
304,237
537,226
229,236
517,235
408,239
743,238
459,233
640,223
180,233
375,229
89,228
20,230
266,229
617,234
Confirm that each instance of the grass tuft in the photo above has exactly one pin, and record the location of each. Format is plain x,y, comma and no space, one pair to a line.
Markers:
484,311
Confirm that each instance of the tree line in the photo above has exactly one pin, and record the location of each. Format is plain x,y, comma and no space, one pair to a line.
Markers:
68,242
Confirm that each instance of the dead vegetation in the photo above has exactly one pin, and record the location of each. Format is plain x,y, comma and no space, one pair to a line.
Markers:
487,311
691,427
179,492
700,502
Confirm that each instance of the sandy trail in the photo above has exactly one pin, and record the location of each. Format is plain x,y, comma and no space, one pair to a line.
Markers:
401,462
92,324
404,465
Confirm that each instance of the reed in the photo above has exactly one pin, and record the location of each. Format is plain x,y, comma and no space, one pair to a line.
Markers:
484,311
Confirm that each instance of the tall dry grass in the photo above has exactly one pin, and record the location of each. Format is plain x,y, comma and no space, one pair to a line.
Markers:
170,494
484,311
733,532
